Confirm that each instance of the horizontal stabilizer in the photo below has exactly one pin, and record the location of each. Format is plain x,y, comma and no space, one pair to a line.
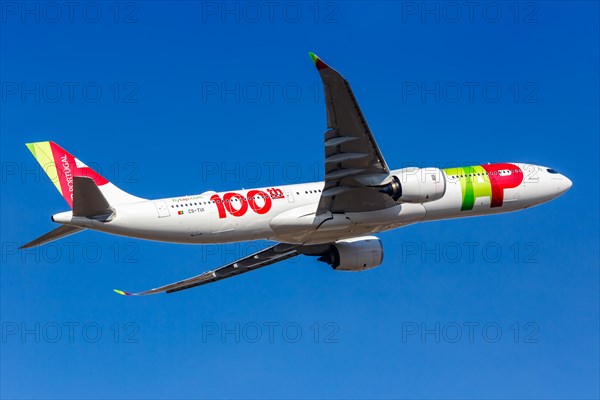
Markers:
60,232
88,200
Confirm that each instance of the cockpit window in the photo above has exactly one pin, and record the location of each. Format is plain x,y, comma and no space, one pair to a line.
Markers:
550,170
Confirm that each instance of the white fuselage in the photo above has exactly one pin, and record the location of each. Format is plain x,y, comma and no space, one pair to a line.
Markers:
288,213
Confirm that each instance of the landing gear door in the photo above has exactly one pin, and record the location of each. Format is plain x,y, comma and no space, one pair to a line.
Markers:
162,209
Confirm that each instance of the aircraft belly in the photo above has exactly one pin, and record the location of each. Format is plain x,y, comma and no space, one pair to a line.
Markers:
302,226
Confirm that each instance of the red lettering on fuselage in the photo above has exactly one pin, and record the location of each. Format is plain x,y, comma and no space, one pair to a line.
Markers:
236,204
229,199
499,182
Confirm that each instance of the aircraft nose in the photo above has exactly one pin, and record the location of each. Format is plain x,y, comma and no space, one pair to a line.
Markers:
567,183
564,184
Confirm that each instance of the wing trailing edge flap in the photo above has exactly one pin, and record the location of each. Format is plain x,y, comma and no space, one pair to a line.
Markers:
268,256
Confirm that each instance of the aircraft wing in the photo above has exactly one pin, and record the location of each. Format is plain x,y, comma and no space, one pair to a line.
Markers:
268,256
353,161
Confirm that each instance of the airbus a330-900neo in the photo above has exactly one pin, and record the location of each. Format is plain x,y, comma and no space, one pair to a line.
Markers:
333,220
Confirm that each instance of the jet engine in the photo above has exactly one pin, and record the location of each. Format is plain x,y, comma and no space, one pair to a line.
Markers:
416,185
356,254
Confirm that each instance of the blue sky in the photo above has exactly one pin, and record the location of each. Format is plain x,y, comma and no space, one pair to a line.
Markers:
177,98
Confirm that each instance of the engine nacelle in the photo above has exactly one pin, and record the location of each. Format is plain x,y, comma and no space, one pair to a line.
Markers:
356,254
416,185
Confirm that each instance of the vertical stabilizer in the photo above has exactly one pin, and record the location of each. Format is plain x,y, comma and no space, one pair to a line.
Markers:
61,167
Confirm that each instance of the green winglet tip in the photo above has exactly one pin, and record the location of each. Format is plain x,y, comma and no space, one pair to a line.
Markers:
31,147
122,293
317,61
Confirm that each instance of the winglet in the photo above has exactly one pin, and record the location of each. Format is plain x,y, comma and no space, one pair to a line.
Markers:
122,293
317,61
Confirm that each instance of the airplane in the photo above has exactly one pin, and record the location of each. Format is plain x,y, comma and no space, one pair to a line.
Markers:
334,220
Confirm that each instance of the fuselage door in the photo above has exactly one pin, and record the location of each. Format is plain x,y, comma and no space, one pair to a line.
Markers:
290,196
162,209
